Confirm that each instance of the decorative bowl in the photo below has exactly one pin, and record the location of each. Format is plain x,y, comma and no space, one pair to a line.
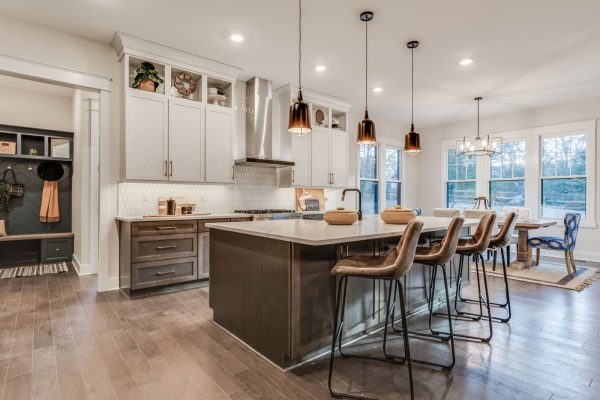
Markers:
340,216
397,215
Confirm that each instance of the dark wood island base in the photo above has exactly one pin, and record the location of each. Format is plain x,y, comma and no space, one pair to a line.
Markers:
278,297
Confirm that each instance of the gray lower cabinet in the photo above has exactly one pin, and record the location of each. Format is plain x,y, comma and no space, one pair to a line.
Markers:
153,254
54,250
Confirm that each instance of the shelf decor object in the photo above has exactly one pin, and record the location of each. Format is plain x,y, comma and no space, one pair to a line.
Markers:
340,216
299,119
147,78
479,145
412,140
185,84
366,127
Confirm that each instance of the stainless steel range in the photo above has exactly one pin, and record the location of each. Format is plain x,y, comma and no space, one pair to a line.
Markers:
261,215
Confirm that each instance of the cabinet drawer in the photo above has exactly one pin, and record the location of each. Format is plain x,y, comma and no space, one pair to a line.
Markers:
202,224
163,247
158,273
163,228
60,249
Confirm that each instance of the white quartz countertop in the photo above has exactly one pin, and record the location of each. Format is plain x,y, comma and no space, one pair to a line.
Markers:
182,217
318,233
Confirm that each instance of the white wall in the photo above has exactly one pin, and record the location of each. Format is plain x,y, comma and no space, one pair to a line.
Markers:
35,109
36,43
429,188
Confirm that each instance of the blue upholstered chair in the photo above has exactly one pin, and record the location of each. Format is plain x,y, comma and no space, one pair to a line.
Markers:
566,243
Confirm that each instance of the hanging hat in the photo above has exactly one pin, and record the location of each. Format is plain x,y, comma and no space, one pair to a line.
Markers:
50,170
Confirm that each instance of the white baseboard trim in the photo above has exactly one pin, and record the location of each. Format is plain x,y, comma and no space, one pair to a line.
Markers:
83,269
112,284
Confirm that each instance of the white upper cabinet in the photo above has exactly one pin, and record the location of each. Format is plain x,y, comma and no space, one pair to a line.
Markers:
301,156
186,141
183,130
339,159
320,157
321,176
147,137
219,140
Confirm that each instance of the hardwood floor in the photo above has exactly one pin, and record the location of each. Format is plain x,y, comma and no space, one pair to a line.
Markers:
60,339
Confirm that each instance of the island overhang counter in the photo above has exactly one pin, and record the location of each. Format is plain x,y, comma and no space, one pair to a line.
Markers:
270,284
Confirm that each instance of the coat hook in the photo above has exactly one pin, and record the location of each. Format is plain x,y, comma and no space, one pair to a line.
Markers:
9,167
29,168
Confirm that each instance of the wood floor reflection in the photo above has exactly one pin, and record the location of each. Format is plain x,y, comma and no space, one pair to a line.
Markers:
60,339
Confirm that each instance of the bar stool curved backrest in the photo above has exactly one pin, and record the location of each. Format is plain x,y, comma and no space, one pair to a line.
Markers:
447,247
407,247
481,238
503,237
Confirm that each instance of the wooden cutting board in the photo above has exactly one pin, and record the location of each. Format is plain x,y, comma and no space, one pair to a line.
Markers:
317,194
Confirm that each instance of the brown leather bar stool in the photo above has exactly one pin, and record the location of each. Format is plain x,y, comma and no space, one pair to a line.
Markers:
500,242
438,256
391,267
475,247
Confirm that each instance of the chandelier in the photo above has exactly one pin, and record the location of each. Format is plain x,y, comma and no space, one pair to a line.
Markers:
479,145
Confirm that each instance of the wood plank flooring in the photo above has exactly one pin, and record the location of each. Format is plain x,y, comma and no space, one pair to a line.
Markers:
60,339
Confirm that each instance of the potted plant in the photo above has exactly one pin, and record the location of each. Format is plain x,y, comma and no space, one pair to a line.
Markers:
220,90
146,78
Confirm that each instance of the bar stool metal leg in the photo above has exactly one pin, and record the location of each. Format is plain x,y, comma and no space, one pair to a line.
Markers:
395,285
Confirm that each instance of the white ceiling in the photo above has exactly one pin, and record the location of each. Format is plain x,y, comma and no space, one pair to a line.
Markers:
527,53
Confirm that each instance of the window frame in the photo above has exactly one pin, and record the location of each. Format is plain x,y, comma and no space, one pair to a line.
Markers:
490,180
399,180
377,173
382,146
533,172
451,145
589,180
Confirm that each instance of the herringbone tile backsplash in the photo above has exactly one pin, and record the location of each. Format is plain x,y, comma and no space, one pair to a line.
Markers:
254,188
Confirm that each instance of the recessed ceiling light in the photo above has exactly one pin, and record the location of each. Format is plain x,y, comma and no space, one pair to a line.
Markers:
236,37
320,68
466,61
377,89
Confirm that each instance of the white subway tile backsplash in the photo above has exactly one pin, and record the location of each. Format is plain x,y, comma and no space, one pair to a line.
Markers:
254,188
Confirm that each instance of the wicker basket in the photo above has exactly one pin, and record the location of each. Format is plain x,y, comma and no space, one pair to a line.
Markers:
8,147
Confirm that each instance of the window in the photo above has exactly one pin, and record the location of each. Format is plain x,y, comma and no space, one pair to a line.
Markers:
507,175
369,181
563,175
460,180
393,186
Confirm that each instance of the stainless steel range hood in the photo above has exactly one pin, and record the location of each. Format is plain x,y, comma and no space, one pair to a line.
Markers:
264,148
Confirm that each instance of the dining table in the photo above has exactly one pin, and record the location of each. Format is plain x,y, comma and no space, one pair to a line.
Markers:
523,227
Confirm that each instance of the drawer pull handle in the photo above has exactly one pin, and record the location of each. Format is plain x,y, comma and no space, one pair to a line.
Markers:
162,228
165,247
165,272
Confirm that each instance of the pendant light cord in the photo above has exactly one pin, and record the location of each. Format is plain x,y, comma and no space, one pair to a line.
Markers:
366,63
300,44
412,86
477,119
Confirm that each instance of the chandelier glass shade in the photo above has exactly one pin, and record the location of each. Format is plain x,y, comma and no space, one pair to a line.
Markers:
486,145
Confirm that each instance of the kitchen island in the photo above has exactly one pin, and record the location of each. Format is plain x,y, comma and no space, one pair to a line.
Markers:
270,284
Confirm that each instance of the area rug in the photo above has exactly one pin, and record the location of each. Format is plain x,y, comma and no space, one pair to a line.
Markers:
549,274
31,270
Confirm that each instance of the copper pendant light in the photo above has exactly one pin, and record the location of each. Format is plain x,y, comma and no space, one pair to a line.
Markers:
299,119
412,140
366,127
